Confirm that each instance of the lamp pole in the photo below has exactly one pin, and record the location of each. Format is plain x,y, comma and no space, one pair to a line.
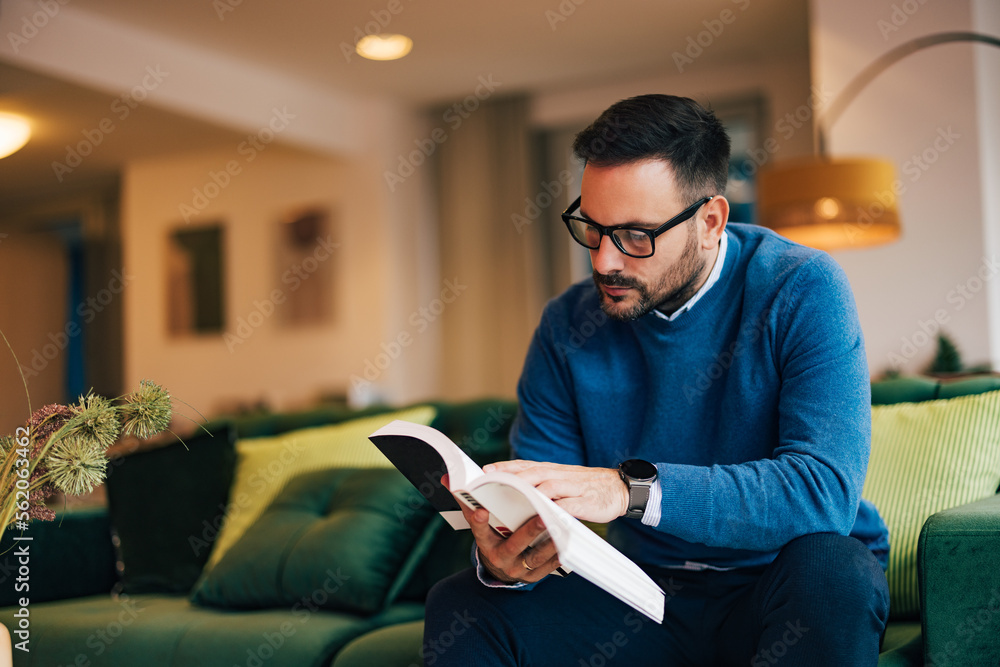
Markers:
879,65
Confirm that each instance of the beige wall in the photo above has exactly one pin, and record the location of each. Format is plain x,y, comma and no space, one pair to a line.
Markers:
925,114
286,367
33,273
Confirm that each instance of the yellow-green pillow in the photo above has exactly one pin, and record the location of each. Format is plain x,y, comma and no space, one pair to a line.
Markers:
927,457
264,465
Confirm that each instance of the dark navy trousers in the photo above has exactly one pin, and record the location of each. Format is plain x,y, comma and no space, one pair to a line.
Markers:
823,601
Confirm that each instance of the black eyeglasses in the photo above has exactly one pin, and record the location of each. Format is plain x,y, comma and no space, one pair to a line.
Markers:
633,241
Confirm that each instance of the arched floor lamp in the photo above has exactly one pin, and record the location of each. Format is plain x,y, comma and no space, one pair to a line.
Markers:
830,203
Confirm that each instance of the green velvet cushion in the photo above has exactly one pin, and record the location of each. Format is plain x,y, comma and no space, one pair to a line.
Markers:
960,585
927,457
264,465
904,390
168,631
84,533
336,537
912,389
166,506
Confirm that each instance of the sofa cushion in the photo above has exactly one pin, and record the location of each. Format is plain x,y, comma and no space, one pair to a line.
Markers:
338,536
166,506
168,631
927,457
265,464
83,532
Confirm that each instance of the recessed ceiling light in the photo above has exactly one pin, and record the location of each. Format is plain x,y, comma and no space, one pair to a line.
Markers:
14,133
384,47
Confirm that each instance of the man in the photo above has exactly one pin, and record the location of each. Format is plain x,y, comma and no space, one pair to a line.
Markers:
716,412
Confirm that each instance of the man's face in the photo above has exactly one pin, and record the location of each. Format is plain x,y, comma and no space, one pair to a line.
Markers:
644,194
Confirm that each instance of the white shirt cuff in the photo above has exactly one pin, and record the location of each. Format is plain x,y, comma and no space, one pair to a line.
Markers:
651,517
488,579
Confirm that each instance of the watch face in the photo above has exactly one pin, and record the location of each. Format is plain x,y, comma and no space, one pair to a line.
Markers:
639,469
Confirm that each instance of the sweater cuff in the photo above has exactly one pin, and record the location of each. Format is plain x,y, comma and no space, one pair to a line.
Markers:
686,501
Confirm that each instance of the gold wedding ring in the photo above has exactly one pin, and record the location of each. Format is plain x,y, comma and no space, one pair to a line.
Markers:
524,562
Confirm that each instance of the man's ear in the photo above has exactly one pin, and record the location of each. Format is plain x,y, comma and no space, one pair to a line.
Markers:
714,218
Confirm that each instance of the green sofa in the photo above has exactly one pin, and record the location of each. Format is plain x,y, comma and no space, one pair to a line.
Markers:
115,587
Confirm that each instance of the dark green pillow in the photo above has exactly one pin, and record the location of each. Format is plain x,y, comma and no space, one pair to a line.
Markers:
335,539
166,506
83,533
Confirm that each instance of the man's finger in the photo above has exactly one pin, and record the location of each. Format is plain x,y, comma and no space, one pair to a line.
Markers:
517,465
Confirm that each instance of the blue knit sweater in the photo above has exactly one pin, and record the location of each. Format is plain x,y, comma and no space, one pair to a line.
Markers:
754,405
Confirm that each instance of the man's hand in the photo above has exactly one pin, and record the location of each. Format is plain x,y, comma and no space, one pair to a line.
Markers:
590,494
510,560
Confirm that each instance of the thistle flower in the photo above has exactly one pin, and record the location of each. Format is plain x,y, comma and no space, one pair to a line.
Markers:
44,422
76,464
37,508
146,411
96,419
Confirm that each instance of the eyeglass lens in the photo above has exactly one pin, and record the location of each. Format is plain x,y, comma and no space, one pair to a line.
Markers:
632,242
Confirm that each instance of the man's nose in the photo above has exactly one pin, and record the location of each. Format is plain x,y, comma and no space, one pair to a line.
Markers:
607,258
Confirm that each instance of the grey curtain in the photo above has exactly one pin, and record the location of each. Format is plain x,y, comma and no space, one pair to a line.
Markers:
484,178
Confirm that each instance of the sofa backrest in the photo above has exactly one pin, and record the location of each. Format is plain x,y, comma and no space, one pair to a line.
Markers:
914,389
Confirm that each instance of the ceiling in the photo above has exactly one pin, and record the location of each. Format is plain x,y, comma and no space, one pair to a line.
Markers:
528,45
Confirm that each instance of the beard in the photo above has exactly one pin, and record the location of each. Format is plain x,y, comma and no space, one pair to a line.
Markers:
678,284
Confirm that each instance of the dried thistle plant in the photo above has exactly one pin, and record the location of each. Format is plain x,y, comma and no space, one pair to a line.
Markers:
77,464
96,420
146,411
66,449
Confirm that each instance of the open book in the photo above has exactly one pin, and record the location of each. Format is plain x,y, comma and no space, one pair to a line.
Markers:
424,454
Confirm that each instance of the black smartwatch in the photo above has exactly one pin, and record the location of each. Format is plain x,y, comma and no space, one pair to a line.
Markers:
638,476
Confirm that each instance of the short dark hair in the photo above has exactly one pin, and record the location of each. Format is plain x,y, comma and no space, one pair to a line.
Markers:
675,129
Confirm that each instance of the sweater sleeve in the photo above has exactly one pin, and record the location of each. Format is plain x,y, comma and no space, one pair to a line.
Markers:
812,482
547,427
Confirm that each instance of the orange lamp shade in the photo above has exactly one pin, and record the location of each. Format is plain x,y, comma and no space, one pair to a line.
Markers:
831,204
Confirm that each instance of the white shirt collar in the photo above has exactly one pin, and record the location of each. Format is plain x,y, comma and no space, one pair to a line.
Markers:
713,277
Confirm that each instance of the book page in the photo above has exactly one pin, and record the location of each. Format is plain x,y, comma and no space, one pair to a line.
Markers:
424,454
